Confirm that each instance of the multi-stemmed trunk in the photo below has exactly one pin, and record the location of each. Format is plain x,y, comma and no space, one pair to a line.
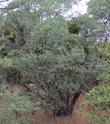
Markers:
68,104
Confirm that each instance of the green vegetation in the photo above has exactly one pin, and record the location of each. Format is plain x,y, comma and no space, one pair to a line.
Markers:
99,101
64,58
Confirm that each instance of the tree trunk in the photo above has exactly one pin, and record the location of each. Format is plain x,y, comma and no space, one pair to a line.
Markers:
71,101
68,107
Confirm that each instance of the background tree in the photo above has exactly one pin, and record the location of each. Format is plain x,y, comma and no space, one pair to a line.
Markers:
100,10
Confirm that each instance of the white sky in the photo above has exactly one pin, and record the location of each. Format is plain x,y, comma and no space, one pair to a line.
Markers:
81,8
2,4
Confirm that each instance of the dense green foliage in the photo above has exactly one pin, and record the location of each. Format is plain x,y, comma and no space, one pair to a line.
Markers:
99,97
99,101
